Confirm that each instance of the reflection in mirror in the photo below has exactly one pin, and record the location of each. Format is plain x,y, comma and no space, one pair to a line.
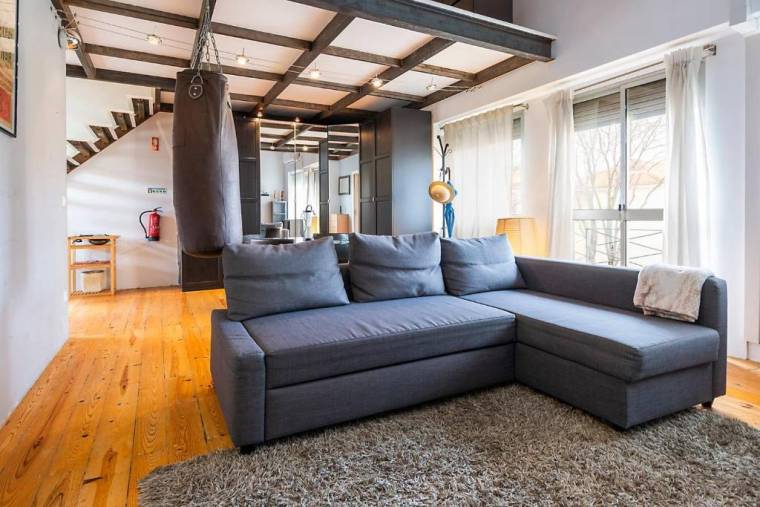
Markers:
291,202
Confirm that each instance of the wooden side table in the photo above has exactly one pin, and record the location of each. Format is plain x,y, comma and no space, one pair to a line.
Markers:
76,243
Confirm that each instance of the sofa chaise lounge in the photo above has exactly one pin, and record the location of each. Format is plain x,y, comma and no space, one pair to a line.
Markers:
571,331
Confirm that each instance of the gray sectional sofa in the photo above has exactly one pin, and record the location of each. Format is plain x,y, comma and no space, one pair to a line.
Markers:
569,330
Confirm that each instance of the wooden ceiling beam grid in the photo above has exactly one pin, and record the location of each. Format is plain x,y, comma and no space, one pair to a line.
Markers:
416,57
334,28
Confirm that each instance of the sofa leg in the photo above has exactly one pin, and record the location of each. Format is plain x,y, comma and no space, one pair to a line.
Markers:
707,404
247,449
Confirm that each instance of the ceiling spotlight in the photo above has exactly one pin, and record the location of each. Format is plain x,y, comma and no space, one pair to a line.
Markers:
305,148
314,73
297,120
376,82
242,59
259,114
431,87
153,39
271,147
73,41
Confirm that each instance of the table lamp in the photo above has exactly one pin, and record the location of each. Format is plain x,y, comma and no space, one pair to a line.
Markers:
520,232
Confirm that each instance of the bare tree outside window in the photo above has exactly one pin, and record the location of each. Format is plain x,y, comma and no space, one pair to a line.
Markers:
615,229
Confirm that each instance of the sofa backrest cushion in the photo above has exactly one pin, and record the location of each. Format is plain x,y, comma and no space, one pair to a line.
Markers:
393,267
479,265
262,279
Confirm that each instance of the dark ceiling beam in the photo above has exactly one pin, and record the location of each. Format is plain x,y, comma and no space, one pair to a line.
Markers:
68,20
258,36
418,56
336,25
444,72
134,11
449,23
115,76
481,77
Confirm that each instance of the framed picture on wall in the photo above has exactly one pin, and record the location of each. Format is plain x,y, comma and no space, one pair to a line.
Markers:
344,185
8,65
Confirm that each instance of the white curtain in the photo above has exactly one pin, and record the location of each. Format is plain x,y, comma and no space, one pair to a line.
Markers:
481,170
561,171
687,199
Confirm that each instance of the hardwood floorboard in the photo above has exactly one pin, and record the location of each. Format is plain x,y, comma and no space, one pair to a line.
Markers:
131,390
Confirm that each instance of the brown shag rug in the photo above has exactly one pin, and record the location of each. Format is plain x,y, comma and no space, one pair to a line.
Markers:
504,446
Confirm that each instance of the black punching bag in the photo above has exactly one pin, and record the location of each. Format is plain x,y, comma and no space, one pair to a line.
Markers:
206,177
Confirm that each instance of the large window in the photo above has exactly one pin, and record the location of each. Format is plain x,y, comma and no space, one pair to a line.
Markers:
620,139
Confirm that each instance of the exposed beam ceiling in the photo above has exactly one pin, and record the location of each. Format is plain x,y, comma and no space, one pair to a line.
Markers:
418,56
167,18
168,84
172,61
324,39
446,22
68,20
448,25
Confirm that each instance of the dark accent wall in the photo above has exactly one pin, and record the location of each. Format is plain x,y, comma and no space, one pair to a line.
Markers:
395,169
499,9
199,273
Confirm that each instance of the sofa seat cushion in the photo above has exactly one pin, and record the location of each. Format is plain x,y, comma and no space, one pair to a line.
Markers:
620,343
320,343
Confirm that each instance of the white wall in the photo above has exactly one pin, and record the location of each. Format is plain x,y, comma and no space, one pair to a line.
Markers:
108,192
33,318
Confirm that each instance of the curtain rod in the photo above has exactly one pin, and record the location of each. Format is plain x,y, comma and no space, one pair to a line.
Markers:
709,50
524,106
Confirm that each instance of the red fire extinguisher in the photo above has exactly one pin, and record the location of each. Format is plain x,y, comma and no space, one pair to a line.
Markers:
153,232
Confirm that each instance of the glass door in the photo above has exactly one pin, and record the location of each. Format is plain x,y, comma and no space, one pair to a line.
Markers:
619,175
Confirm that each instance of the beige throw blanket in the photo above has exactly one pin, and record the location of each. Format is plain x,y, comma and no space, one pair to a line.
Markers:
672,292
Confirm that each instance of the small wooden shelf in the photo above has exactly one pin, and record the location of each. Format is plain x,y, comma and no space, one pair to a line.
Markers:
76,243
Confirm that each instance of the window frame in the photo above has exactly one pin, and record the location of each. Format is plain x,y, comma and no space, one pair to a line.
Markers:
622,214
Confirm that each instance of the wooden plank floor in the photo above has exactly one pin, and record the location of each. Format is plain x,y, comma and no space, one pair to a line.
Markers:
131,390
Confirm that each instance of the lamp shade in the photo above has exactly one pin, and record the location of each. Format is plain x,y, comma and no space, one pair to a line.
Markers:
519,231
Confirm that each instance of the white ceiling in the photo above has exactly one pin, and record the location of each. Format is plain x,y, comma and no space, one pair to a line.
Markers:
279,17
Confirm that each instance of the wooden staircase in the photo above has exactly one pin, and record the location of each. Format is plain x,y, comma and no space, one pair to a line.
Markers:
106,136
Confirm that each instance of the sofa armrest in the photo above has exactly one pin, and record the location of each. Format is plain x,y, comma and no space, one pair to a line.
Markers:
239,374
613,286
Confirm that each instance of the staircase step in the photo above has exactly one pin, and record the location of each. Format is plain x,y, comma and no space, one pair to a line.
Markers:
105,137
142,110
123,122
86,151
70,166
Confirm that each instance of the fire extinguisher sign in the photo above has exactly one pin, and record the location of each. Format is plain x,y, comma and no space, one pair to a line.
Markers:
156,190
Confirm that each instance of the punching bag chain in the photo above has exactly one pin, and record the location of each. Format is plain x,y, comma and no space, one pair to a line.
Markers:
206,39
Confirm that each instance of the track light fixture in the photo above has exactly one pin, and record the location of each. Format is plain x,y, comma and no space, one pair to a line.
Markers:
314,73
153,39
242,59
376,82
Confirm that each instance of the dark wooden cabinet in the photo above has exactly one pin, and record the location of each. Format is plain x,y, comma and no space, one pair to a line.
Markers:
396,167
250,174
324,187
200,273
